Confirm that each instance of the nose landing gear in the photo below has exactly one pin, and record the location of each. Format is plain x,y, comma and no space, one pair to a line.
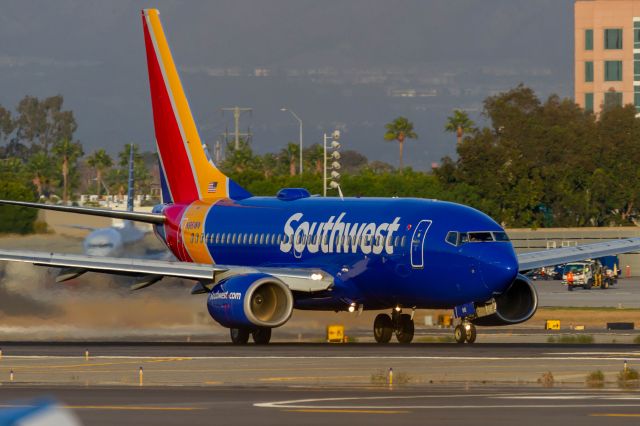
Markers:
402,324
465,332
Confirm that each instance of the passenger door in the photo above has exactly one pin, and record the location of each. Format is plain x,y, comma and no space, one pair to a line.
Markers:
417,244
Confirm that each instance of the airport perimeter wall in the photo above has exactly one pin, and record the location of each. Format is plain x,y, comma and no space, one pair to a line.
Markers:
527,240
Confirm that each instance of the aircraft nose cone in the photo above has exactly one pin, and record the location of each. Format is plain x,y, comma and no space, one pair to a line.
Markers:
499,268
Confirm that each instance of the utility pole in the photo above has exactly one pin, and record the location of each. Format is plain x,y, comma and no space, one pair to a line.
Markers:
300,137
217,152
237,112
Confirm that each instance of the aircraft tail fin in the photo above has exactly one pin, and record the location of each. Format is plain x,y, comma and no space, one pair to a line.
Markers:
187,172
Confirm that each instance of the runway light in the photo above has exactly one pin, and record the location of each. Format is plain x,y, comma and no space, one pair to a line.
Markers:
316,277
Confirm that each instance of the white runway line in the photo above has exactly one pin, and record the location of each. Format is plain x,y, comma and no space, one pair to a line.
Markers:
319,403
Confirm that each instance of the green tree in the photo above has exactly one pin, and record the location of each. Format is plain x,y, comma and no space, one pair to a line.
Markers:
288,155
6,123
43,123
67,153
400,130
314,158
460,124
14,219
41,169
100,161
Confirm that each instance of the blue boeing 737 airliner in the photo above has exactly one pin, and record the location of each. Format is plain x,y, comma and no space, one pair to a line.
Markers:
259,258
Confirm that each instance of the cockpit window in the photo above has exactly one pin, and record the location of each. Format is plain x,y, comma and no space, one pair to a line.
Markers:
480,237
501,236
452,238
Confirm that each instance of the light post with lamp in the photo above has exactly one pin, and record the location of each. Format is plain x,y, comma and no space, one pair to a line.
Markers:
300,122
335,165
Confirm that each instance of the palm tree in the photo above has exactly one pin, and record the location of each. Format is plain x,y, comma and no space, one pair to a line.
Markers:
315,157
289,155
40,167
99,161
459,123
67,152
399,130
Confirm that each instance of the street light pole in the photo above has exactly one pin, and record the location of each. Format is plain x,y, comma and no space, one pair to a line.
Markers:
299,122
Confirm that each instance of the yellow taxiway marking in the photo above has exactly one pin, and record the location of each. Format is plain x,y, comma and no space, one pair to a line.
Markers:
115,407
348,411
614,415
102,364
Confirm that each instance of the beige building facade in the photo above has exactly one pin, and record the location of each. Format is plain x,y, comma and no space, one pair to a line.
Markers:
607,53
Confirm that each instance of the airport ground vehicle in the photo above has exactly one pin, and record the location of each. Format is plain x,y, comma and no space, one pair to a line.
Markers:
587,274
257,258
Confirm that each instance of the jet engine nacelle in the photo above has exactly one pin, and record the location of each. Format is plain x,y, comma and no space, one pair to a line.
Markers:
514,306
250,300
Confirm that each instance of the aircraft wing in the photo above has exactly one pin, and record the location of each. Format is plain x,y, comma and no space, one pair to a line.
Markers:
552,257
149,271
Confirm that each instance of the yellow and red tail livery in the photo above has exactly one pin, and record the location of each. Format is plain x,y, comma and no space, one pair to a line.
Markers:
187,172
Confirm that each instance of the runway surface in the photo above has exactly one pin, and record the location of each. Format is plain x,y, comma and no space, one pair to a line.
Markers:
321,365
451,405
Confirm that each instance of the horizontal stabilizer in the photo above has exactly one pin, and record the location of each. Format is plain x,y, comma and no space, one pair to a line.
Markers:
115,214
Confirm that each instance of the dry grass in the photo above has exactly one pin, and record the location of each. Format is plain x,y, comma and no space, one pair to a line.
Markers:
595,379
628,378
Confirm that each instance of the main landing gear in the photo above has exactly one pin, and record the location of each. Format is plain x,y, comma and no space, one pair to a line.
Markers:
465,332
402,324
240,336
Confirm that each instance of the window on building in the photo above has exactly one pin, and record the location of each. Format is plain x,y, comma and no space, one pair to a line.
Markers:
636,34
612,70
613,38
612,99
588,71
588,39
636,97
636,67
588,102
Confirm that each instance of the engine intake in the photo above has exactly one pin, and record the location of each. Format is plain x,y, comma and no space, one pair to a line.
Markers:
250,300
514,306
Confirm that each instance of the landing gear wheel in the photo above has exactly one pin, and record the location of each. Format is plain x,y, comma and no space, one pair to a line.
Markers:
471,334
382,328
460,334
261,336
239,336
588,285
404,332
605,284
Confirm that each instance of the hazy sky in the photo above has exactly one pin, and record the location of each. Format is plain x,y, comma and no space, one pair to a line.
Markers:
456,51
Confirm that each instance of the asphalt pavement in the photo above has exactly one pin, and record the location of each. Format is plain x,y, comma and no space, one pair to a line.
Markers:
441,405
